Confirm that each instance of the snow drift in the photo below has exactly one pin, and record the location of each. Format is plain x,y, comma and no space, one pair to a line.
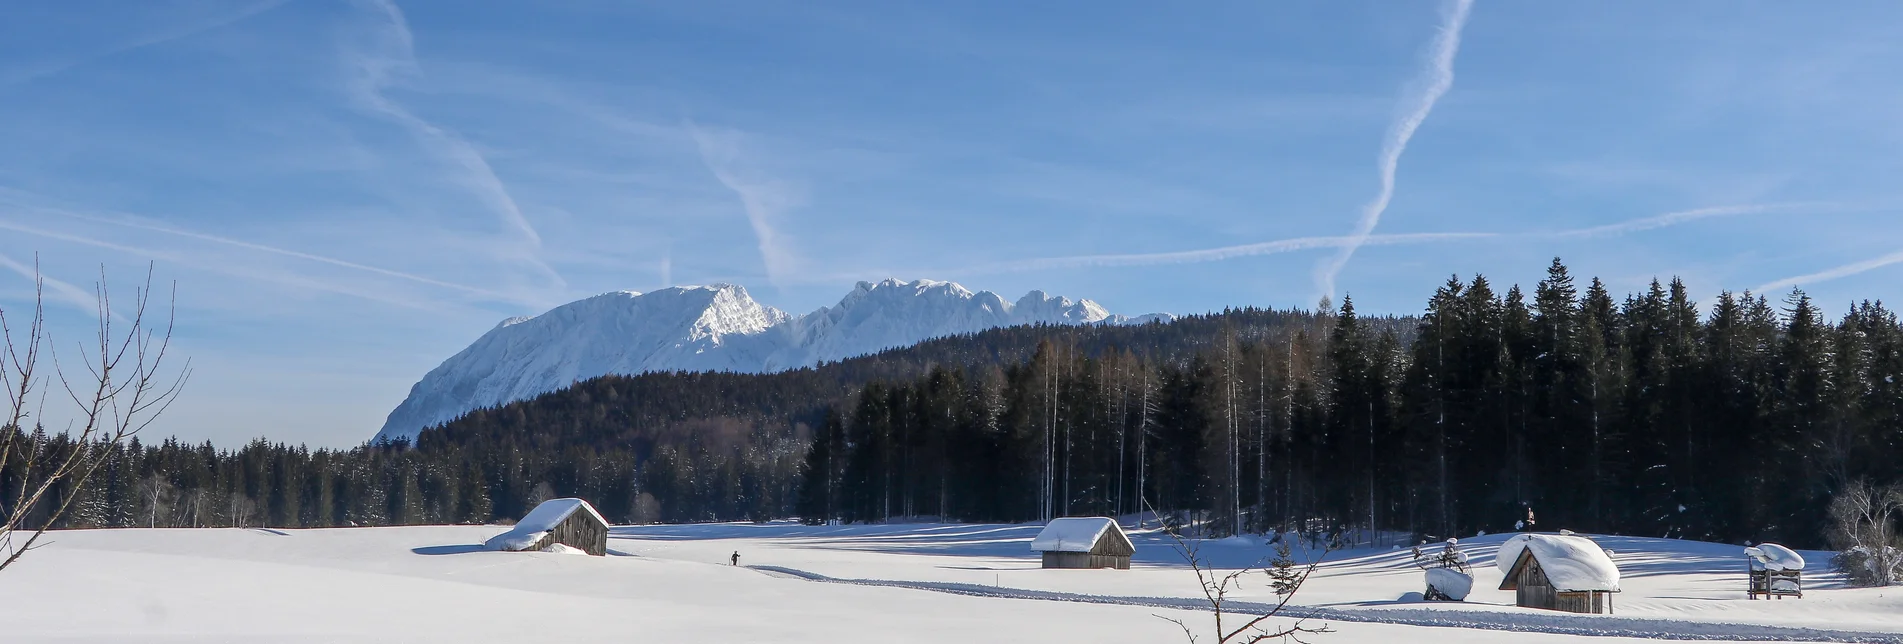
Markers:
1453,584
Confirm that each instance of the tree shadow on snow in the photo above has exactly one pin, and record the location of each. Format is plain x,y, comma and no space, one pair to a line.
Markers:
447,550
996,541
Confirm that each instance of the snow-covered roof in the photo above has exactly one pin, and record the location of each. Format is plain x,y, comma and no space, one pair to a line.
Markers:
1075,534
553,512
1571,563
539,522
1771,556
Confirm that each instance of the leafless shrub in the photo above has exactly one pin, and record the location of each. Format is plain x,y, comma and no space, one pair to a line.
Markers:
1242,628
125,384
1863,530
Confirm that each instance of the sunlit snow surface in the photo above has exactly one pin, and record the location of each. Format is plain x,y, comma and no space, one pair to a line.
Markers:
672,583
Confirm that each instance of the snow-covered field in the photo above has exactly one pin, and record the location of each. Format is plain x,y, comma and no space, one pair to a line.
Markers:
913,583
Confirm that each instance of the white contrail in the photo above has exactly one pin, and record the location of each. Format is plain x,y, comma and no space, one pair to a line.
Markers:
31,73
1845,270
1311,243
1215,254
73,295
275,250
762,199
243,272
395,55
1439,79
1682,216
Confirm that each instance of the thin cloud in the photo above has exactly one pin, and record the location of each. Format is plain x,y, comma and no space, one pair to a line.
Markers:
1439,77
1845,270
764,200
63,291
392,57
44,70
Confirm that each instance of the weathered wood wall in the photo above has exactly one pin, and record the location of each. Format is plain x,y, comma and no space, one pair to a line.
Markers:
1582,602
1085,560
1764,582
580,530
1115,544
1535,591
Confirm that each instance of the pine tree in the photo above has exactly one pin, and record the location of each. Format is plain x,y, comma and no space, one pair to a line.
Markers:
1284,574
818,504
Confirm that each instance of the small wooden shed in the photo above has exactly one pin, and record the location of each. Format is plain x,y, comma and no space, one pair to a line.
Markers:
1775,571
1084,542
569,522
1558,572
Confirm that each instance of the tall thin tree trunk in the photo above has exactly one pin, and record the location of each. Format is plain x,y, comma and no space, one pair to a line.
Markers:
1261,442
1123,425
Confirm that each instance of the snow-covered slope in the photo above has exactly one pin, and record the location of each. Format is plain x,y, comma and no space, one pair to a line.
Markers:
709,328
696,328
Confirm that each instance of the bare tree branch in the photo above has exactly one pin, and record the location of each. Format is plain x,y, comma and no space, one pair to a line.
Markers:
1217,586
127,385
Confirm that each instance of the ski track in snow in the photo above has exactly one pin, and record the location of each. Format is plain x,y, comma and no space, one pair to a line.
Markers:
1556,624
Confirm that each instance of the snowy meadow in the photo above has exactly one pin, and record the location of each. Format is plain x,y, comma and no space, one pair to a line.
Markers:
794,583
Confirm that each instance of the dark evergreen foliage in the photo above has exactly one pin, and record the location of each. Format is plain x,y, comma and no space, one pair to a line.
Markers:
1637,417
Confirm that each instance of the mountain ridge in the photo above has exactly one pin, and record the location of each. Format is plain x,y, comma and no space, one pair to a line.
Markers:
717,327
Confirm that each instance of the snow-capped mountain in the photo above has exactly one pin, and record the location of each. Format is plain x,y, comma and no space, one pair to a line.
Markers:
875,317
709,328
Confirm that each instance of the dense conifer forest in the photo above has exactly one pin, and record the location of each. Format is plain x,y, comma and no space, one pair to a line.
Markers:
1637,415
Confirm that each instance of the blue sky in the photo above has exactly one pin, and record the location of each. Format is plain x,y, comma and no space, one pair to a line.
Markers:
346,193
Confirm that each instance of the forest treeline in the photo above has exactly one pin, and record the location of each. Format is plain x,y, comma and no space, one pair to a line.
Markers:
1637,414
674,447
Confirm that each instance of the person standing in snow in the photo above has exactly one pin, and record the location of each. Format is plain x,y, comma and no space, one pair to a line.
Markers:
735,559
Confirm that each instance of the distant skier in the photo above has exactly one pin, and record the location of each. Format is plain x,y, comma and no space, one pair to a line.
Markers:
735,559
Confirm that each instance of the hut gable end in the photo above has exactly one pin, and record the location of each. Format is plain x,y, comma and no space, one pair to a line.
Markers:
1519,569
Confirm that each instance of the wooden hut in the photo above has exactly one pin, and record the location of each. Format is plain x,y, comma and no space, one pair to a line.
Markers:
1774,571
1084,542
569,522
1558,572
